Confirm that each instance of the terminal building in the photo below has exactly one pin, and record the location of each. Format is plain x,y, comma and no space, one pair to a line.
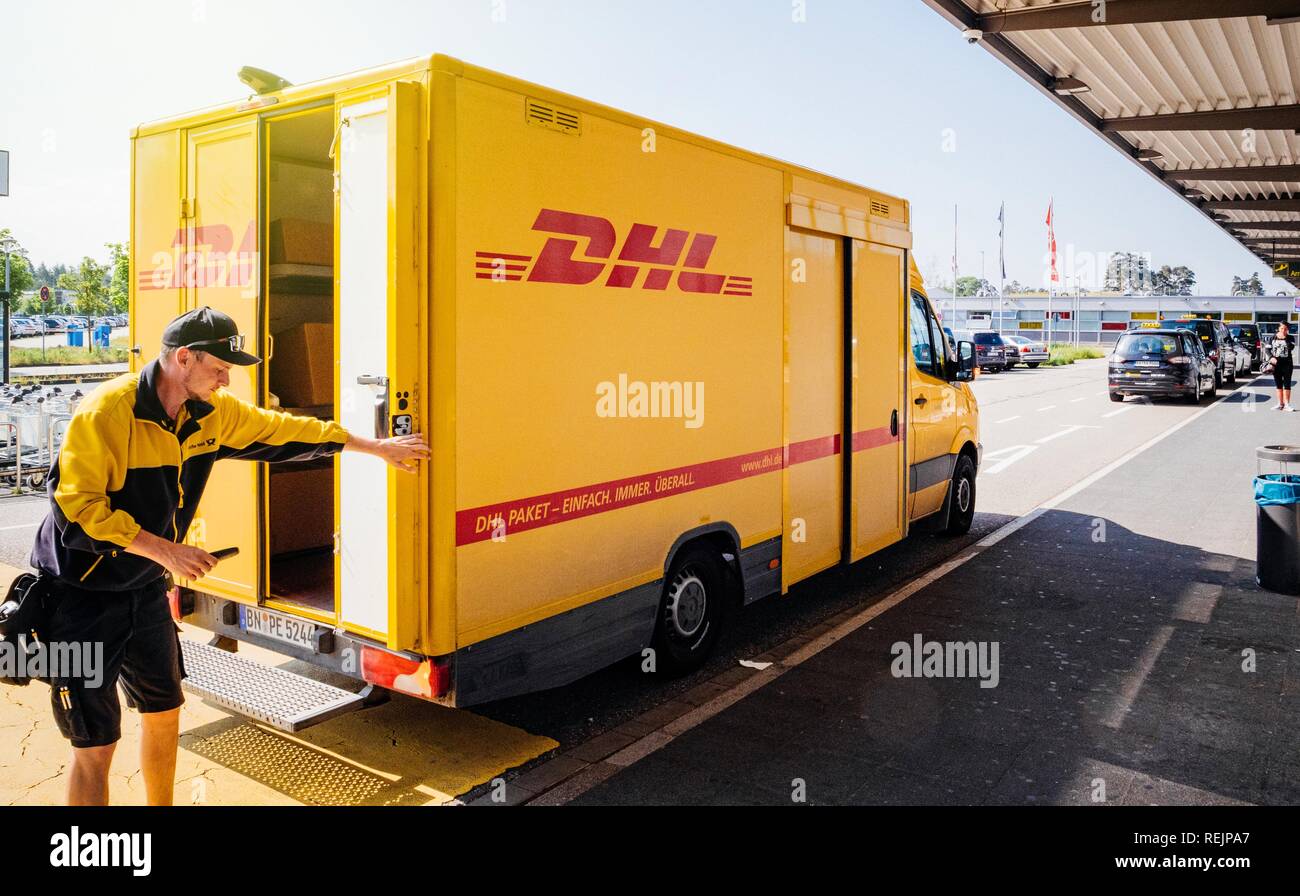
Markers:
1099,319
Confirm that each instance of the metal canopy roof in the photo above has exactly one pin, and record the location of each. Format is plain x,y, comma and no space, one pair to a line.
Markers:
1202,94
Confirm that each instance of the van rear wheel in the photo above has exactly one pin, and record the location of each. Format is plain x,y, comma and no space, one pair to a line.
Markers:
961,509
691,612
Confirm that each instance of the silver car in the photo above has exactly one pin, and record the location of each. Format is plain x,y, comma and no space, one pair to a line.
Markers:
1027,351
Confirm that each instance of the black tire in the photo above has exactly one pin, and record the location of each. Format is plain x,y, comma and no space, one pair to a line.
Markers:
1195,397
691,612
1033,365
1117,396
1214,389
961,512
1232,379
1218,380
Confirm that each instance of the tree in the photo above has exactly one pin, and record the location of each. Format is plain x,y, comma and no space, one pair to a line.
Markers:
88,282
20,274
1014,288
1242,286
119,284
974,286
1177,281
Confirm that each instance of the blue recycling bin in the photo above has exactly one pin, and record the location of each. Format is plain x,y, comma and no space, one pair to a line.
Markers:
76,337
102,332
1277,523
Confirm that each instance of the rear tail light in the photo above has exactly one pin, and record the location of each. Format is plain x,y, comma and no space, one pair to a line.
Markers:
427,678
1214,354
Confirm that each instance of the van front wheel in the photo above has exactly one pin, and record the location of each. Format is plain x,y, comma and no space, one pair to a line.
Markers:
691,612
961,512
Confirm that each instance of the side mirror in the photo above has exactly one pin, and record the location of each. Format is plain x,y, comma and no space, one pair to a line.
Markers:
965,362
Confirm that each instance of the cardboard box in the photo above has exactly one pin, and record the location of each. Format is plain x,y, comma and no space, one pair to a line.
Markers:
302,508
302,366
295,241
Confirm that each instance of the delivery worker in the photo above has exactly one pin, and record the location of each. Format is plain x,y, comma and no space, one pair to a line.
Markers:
123,490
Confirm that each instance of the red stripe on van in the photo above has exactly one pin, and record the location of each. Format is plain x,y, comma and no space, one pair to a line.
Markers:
511,517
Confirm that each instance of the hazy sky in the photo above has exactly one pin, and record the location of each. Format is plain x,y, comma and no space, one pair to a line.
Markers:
874,91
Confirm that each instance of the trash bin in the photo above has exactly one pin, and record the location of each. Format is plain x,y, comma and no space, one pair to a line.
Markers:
102,336
75,337
1277,521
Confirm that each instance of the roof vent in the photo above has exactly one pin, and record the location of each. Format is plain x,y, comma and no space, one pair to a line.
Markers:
880,208
553,118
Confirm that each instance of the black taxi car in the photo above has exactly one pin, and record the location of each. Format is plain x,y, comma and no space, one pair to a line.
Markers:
1166,362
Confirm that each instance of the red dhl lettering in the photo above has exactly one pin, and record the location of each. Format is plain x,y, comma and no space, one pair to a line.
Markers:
661,261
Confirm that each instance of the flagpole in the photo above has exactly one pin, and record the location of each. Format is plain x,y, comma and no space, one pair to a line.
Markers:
953,309
1002,262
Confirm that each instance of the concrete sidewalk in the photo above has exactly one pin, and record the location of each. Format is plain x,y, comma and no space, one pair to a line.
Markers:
1138,662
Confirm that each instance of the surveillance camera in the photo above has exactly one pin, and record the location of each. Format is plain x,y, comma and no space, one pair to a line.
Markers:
972,35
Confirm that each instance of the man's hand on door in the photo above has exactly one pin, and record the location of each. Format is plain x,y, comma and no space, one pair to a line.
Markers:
403,452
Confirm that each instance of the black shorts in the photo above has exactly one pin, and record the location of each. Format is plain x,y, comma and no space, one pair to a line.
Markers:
1282,375
140,650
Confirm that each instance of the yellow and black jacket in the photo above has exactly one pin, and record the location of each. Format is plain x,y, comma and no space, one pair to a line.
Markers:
124,467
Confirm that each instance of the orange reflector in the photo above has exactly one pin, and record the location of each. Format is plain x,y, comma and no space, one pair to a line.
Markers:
773,564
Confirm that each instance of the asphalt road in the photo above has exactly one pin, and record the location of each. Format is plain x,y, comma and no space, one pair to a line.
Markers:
1044,430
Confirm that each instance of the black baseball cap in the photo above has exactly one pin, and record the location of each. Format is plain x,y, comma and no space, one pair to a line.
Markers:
208,330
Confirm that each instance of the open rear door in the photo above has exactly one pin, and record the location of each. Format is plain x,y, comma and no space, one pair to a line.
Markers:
220,270
380,311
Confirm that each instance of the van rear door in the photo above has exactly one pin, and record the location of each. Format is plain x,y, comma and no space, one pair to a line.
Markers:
219,268
381,316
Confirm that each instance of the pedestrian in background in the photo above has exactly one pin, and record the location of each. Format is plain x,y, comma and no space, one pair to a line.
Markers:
1279,362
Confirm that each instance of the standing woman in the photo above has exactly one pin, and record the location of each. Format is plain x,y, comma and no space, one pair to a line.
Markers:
1279,351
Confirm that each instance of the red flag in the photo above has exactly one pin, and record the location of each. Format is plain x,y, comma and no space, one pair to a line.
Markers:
1051,242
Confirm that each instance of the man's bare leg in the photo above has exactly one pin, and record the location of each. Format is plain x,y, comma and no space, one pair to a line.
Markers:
159,740
88,779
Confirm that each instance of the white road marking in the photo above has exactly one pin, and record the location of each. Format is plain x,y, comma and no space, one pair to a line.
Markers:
1116,413
1048,408
1064,432
1016,452
1077,400
1008,420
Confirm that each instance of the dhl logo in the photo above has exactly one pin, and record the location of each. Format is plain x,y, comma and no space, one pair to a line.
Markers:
662,262
204,256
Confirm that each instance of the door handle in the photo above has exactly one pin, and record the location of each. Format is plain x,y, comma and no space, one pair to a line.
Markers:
893,423
381,403
921,401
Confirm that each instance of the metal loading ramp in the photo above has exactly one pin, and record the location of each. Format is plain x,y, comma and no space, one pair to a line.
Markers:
281,699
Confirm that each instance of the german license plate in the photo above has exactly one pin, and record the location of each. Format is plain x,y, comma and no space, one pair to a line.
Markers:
277,626
1148,363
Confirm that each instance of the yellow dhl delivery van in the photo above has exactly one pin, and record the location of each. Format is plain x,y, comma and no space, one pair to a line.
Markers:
661,377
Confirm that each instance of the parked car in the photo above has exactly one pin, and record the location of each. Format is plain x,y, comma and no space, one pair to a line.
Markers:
25,326
1218,345
1023,350
1250,337
1168,362
990,351
55,324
